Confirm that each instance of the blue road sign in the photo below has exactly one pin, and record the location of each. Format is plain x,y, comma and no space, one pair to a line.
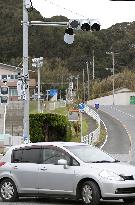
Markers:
97,106
81,106
53,92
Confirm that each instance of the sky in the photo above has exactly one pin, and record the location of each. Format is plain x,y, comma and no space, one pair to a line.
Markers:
107,12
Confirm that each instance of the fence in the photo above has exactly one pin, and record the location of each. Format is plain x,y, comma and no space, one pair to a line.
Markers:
92,137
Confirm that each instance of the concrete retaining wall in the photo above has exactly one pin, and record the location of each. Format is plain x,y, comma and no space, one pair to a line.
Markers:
119,99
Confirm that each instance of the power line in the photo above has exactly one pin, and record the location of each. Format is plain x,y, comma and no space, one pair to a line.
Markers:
69,10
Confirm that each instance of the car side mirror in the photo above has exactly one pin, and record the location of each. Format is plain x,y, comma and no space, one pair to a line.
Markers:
63,162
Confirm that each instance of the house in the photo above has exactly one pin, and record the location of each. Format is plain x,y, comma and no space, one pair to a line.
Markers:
10,73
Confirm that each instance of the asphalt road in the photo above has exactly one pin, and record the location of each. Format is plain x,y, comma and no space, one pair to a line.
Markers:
126,115
28,201
118,143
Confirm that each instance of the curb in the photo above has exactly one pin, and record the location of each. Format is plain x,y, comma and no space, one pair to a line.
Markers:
106,135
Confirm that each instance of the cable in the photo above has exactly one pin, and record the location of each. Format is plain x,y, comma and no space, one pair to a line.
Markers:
59,6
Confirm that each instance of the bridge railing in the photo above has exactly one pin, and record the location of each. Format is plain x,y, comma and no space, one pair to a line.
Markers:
93,136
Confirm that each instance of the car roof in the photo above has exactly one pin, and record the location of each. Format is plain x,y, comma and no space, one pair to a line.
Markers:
7,156
58,144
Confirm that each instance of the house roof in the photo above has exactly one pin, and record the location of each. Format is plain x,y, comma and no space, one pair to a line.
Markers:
9,67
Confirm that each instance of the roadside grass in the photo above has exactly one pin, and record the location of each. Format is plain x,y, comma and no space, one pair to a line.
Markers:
102,136
33,106
60,111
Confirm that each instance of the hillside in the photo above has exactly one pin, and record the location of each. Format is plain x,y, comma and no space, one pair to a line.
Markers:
48,42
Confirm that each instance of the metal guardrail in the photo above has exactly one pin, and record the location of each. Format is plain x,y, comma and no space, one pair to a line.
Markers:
92,137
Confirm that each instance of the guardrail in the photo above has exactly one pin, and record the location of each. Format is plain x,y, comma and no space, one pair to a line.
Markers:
92,137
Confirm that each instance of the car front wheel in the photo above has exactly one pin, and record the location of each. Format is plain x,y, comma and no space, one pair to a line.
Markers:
90,193
8,191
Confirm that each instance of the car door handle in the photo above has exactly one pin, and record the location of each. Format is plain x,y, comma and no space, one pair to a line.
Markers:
43,169
15,167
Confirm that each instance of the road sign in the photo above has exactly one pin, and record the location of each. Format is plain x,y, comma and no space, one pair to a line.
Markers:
81,106
97,106
53,92
73,115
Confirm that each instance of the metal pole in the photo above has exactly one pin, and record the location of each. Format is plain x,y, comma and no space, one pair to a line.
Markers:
83,86
25,73
81,127
113,75
4,127
77,84
88,79
93,66
38,89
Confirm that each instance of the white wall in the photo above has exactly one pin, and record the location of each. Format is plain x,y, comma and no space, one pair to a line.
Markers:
119,99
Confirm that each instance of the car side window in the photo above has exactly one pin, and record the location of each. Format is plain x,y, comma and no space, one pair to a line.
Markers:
16,156
26,155
74,162
51,156
31,155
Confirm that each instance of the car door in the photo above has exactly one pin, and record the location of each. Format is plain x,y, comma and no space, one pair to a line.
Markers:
54,178
25,168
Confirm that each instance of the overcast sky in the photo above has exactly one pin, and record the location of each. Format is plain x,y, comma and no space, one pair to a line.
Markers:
107,12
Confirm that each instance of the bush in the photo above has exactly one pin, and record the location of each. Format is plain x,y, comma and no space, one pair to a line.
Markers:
49,127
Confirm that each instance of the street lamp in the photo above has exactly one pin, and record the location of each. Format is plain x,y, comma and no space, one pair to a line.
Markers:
38,63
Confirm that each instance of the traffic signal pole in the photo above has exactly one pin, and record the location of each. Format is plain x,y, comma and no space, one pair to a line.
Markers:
68,38
25,74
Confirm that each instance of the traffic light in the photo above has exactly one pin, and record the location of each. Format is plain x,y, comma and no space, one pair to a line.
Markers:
84,24
4,94
4,99
4,90
80,24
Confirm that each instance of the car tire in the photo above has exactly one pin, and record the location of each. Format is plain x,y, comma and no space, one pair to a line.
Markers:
90,193
8,191
129,200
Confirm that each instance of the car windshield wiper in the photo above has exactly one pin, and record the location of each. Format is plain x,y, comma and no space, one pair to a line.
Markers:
104,161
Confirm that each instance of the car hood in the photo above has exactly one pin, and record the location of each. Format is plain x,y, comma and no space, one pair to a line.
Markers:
117,167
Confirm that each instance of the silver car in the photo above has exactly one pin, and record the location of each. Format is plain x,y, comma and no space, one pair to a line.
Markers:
66,170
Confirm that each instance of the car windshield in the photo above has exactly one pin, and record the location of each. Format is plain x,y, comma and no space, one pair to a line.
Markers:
90,154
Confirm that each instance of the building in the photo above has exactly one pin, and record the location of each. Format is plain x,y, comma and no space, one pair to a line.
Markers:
12,112
10,73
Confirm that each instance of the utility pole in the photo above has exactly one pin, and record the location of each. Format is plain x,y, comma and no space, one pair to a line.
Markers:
77,77
38,63
25,74
83,86
113,75
113,64
87,64
39,90
93,63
